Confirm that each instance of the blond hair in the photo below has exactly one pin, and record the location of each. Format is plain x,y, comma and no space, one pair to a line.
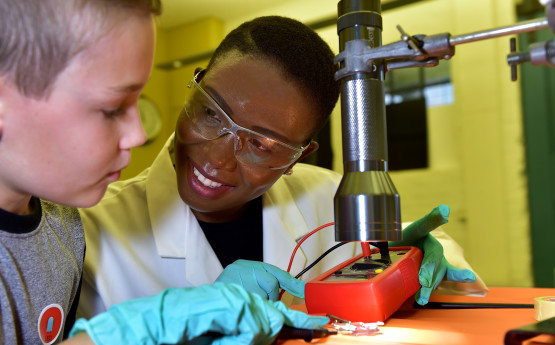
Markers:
39,38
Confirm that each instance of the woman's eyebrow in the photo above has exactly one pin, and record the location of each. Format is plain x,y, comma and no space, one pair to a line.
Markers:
219,99
227,109
272,135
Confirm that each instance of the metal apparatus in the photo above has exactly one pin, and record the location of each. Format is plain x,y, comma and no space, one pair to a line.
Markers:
367,204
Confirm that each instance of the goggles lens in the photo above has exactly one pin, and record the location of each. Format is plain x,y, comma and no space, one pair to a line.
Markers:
210,121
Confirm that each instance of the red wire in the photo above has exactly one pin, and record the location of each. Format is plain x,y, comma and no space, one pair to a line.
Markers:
302,240
297,247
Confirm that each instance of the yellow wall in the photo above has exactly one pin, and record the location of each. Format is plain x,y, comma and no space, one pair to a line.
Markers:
475,145
166,88
156,90
477,156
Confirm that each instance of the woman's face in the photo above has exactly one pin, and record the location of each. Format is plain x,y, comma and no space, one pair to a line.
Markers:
256,96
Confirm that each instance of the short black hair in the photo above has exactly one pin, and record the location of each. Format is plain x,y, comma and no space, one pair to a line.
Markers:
298,50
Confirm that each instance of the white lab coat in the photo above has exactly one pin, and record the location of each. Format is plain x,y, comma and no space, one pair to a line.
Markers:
142,238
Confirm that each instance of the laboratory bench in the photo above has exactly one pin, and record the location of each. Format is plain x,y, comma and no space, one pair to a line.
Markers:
410,325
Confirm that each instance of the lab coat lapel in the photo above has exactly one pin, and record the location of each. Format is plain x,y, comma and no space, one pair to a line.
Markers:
281,213
165,207
202,264
174,226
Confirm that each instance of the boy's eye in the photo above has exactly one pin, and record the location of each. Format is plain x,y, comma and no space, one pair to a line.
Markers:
113,112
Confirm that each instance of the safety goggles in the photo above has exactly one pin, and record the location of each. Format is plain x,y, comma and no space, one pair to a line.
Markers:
210,121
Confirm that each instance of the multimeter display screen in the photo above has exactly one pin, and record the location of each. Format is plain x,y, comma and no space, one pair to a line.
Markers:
366,267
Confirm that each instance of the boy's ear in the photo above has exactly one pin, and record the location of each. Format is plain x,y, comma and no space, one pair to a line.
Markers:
2,105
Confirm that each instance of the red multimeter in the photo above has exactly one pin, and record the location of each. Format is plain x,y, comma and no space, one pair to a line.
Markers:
366,288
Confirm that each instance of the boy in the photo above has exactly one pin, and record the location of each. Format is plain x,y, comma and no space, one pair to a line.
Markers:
71,72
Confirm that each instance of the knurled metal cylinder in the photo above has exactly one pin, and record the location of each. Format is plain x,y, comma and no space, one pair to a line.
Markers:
363,122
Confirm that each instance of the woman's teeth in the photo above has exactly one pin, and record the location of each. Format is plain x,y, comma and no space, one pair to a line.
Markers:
205,181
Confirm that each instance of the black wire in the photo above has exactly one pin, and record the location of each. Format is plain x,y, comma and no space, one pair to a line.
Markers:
319,259
383,246
453,305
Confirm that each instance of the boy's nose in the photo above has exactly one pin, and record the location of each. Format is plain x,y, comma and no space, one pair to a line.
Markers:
134,133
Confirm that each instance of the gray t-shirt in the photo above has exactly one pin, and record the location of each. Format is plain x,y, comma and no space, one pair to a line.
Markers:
41,261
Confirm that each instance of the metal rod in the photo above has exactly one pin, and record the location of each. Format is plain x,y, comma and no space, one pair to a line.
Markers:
527,26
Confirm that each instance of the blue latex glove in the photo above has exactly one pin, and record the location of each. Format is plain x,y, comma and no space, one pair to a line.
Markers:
261,278
434,267
178,316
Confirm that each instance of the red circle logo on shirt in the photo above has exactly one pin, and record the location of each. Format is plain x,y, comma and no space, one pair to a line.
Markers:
50,323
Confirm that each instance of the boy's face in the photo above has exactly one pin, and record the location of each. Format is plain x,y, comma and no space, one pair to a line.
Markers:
255,95
68,147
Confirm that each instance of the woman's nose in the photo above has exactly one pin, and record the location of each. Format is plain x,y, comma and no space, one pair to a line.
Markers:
221,151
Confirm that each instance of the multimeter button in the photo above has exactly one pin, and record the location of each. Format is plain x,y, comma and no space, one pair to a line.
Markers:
363,266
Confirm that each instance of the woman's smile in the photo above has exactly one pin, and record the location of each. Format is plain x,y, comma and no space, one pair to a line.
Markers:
205,186
204,180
